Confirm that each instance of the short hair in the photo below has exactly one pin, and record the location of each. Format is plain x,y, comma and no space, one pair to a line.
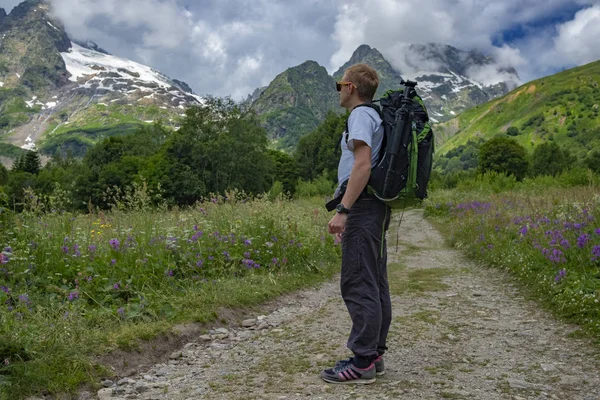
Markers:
365,79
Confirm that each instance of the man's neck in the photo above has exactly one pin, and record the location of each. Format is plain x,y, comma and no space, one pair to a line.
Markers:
355,102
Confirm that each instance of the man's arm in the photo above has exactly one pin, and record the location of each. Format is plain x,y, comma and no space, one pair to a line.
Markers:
359,176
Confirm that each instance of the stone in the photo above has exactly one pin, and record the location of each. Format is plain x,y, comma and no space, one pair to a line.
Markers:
222,331
479,294
126,381
105,394
148,378
262,326
248,323
142,387
189,346
548,367
205,338
176,355
107,383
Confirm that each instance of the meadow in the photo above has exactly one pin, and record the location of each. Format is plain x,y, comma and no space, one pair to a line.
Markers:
544,231
75,286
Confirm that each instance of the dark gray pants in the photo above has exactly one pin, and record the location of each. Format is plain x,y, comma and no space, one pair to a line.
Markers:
364,281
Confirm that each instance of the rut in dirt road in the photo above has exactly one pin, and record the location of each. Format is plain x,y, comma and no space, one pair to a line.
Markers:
460,331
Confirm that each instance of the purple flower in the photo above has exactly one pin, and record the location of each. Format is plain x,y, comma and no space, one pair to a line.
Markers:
76,250
565,243
523,230
561,274
113,261
115,244
596,253
597,231
24,298
199,263
169,272
247,254
65,249
121,312
3,259
247,242
5,289
196,236
8,249
583,240
116,286
210,258
73,296
92,248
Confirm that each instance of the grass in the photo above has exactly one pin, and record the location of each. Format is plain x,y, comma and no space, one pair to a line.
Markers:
420,281
78,286
546,237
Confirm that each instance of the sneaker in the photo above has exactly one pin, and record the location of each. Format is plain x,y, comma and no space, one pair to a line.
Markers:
348,373
379,365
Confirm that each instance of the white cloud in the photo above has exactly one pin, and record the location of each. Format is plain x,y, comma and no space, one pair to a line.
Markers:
577,40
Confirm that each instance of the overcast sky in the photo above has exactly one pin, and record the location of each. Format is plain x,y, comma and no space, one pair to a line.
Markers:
228,47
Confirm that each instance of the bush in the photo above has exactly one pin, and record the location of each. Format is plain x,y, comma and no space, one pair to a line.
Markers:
512,131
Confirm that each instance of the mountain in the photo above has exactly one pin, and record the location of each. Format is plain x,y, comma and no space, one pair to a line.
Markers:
59,95
295,102
450,82
563,108
388,77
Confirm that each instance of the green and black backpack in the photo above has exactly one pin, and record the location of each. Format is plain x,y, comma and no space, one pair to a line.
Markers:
402,173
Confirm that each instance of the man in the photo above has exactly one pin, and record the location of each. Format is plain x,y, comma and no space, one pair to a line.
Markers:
360,223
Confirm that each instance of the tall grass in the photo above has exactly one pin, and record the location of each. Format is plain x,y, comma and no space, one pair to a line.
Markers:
546,234
73,286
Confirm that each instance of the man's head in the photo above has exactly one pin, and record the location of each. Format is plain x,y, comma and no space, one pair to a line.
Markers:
358,85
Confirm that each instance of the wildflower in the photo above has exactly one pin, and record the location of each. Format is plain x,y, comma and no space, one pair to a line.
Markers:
116,286
596,253
197,236
247,242
210,258
170,273
247,254
523,230
199,263
114,243
226,254
5,289
3,259
92,248
121,312
24,298
274,261
76,250
565,243
65,249
113,261
583,240
561,274
8,249
597,231
73,296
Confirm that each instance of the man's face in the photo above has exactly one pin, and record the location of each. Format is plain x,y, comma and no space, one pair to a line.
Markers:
345,92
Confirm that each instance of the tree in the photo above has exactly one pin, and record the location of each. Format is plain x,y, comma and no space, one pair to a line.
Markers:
284,170
32,163
593,161
3,175
319,150
549,159
512,131
503,155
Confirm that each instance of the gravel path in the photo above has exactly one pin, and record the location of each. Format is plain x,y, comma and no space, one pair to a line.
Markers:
460,331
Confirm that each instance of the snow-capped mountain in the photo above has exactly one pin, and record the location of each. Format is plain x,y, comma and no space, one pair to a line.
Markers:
61,95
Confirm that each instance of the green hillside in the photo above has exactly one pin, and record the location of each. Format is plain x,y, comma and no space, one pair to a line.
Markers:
563,108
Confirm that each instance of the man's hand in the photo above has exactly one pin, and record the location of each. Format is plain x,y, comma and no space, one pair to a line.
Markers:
338,224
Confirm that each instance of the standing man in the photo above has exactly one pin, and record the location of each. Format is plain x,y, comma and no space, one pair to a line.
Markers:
360,222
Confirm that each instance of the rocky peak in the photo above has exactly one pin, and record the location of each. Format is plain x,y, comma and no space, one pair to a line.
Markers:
90,45
3,15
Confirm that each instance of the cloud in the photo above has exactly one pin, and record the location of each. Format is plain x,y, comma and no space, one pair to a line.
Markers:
217,46
390,26
577,40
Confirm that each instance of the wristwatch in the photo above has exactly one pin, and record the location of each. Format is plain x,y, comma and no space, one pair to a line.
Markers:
341,209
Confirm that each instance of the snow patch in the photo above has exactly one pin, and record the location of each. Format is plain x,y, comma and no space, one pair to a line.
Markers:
1,84
51,104
435,121
31,102
80,62
149,122
29,144
452,112
18,76
52,25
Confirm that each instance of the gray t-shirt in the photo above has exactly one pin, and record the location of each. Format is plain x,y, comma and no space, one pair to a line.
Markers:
364,124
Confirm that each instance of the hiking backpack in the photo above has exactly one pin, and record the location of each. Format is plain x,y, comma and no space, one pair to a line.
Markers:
402,173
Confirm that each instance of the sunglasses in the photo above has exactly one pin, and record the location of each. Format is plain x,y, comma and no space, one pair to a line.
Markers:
338,85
